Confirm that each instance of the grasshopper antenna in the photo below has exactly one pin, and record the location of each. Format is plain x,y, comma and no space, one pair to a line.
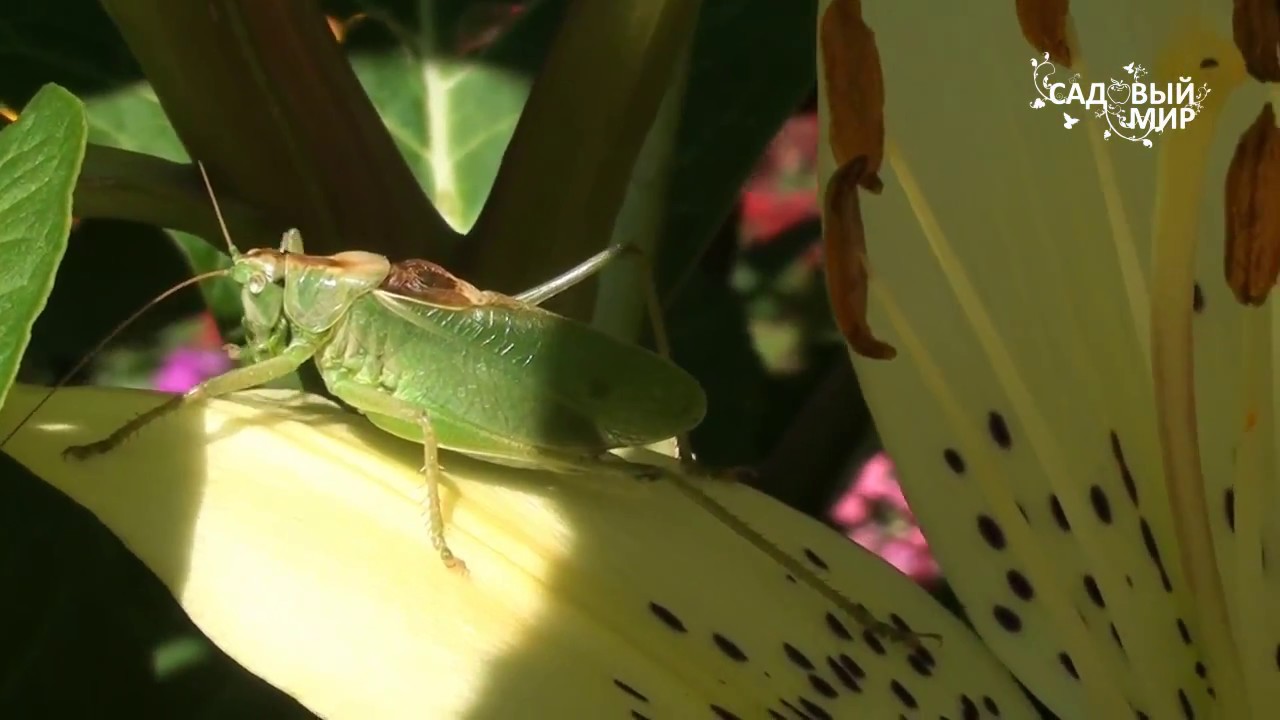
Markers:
222,225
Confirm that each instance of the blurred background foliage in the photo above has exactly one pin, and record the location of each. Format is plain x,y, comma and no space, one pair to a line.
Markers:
86,630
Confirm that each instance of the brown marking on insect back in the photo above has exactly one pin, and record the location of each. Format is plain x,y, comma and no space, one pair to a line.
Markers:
1252,215
1255,26
1044,25
430,283
855,89
845,246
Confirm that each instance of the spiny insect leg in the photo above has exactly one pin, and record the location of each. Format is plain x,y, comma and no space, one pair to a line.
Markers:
431,502
228,382
373,401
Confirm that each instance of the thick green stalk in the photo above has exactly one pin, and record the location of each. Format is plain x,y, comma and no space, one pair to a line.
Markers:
262,94
123,185
566,172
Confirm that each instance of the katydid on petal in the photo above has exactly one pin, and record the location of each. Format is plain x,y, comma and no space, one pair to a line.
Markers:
432,359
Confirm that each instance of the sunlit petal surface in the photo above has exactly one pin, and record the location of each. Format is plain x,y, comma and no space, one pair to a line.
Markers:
1031,276
291,533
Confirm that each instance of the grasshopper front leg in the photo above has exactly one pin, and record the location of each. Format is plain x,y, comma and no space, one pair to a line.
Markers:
375,402
232,381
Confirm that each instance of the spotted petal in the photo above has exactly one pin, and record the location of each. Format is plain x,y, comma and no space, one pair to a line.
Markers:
1038,286
292,534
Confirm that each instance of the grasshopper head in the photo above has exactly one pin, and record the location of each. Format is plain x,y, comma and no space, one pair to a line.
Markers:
259,273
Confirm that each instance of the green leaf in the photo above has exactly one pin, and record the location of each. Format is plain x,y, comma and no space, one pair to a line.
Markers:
40,158
122,110
451,116
752,65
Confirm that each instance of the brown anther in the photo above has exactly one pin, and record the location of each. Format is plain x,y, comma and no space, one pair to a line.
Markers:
341,28
845,245
1255,26
855,89
1252,214
1044,25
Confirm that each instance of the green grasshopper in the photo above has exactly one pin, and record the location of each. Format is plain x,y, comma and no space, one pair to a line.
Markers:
432,359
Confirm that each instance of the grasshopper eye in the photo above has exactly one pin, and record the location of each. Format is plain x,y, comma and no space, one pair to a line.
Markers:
257,282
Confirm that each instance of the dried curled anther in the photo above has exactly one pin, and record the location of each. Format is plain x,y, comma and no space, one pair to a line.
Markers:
1252,215
855,89
845,245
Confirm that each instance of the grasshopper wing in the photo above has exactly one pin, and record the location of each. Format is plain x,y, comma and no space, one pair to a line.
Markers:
544,379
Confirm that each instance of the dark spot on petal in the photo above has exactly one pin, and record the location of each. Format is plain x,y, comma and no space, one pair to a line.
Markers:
802,715
729,648
723,714
903,694
873,642
1197,298
968,710
1020,585
667,617
1229,502
1207,63
999,430
637,715
1059,515
822,686
1117,452
815,709
991,532
1068,665
817,561
1149,542
992,707
797,657
1094,593
1187,711
842,674
1203,671
921,665
1007,618
954,461
1115,635
838,627
775,715
1101,505
1183,632
851,666
630,690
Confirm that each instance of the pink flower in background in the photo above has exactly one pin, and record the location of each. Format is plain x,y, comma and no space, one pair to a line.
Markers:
187,367
874,514
783,189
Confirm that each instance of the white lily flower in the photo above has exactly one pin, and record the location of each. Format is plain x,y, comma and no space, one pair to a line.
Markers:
1082,413
292,534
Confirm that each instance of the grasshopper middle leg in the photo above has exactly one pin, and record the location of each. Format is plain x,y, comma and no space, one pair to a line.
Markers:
375,402
226,383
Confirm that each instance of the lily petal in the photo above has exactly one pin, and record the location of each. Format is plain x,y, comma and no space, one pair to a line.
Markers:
291,532
1038,284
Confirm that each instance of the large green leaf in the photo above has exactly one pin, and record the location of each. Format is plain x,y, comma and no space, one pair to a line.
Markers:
452,115
86,54
40,158
752,65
